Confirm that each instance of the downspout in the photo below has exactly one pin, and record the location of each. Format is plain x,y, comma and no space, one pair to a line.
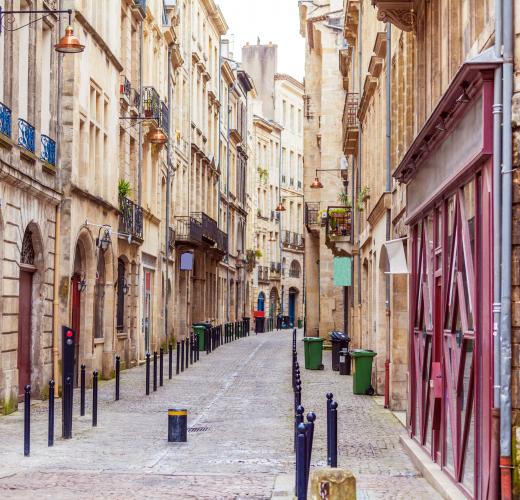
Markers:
497,243
280,215
505,292
57,238
140,126
360,138
388,212
230,89
168,194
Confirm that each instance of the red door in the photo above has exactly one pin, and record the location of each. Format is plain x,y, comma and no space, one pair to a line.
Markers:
24,330
76,321
451,332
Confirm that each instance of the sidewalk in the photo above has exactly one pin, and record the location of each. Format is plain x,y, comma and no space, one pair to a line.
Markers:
239,400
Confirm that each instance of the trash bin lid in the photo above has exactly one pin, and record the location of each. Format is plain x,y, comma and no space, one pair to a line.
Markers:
313,339
362,353
338,336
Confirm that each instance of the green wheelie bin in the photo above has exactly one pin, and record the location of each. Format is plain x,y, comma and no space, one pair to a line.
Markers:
313,353
300,323
362,371
199,330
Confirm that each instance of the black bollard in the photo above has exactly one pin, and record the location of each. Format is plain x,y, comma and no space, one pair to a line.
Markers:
94,398
301,489
170,361
50,438
27,421
207,337
82,392
311,417
329,402
334,434
191,349
298,419
161,368
187,342
118,369
177,425
67,408
178,358
147,373
182,355
154,371
298,394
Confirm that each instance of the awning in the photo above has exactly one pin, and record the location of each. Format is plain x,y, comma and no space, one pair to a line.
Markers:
393,257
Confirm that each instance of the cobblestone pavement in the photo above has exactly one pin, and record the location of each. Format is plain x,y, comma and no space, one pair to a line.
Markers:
240,400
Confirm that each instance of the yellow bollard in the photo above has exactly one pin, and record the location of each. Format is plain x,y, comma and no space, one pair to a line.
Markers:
332,484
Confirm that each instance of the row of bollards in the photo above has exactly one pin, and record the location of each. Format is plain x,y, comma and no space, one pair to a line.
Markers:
67,409
304,431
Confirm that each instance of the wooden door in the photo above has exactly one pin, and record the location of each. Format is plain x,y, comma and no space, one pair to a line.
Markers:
24,330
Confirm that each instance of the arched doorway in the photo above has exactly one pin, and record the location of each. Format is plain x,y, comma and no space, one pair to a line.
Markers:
261,302
25,303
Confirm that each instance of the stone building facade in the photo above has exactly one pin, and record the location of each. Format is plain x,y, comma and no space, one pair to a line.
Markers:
431,100
30,194
325,166
278,167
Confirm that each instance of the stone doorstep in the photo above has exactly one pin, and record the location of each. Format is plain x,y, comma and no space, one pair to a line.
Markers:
283,487
430,470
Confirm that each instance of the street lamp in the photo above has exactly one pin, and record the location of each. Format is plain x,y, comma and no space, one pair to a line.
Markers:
104,242
157,137
280,207
68,44
316,183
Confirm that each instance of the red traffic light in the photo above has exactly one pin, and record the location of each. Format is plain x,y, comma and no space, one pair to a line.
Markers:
69,333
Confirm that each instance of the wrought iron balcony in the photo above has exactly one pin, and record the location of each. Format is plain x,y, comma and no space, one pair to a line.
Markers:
26,135
339,222
48,153
130,218
263,273
209,226
276,268
312,214
222,241
151,103
188,230
5,120
350,123
164,123
125,89
171,238
286,238
135,98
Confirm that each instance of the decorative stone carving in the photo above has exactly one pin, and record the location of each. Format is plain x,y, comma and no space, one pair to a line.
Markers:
400,13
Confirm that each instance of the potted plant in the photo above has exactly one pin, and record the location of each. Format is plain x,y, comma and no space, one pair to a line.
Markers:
263,174
344,199
363,195
123,189
258,253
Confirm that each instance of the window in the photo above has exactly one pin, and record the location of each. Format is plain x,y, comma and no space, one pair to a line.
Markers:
292,118
284,113
121,286
295,269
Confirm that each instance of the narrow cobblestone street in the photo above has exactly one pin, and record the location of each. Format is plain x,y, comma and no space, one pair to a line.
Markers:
240,402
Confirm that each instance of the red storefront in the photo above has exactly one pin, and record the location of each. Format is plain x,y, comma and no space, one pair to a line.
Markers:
448,173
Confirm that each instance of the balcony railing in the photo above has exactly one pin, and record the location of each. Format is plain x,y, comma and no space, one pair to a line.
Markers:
26,135
276,267
135,98
171,238
312,214
5,120
350,110
141,5
151,103
164,119
263,273
188,229
339,222
48,153
208,225
125,88
131,218
286,238
222,241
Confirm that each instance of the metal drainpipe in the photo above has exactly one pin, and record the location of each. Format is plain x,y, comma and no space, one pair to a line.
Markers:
388,212
230,89
360,138
140,126
280,214
507,190
219,184
168,178
497,242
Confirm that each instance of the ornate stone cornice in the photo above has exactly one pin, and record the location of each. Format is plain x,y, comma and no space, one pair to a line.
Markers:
401,14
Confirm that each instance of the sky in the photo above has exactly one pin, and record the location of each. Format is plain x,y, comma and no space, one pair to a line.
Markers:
274,21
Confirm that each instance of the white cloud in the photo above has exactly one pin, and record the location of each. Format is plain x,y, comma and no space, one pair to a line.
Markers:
275,21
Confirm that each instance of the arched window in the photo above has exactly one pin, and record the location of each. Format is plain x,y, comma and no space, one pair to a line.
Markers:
295,269
261,301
